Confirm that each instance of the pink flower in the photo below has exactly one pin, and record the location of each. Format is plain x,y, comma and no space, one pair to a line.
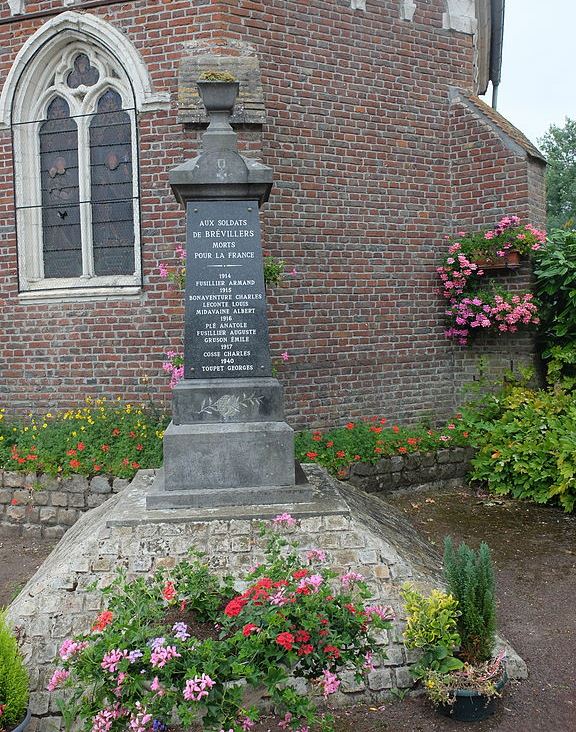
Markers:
161,655
350,578
195,688
70,648
58,677
313,581
284,356
284,519
384,612
286,721
111,660
139,722
163,271
330,682
369,661
318,555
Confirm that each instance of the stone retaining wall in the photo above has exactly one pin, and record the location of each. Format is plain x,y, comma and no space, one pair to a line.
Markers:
42,506
45,507
416,470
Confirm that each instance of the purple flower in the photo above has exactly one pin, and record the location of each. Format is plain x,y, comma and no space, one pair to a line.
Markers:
180,631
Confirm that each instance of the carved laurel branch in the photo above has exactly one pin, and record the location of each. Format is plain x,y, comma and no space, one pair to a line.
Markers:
229,405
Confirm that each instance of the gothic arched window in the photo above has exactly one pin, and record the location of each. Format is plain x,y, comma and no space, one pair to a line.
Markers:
76,176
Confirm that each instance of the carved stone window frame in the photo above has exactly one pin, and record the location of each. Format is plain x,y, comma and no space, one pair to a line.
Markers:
37,76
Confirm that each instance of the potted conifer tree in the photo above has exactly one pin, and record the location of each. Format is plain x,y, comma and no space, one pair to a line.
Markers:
456,633
14,688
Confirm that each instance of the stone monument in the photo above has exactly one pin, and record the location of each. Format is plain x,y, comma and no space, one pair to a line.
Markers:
228,443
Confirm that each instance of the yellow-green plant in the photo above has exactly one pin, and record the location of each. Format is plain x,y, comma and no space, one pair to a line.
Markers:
13,679
213,75
431,626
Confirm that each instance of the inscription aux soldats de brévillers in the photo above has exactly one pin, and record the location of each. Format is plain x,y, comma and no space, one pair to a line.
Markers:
226,330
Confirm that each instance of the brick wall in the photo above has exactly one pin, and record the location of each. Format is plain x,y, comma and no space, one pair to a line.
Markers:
373,165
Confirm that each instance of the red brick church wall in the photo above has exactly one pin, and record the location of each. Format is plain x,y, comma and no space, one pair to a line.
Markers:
371,171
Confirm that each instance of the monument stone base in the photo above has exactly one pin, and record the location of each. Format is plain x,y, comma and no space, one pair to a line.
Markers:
228,445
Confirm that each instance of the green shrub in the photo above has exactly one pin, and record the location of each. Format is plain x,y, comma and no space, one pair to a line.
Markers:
555,274
470,579
431,626
526,445
13,679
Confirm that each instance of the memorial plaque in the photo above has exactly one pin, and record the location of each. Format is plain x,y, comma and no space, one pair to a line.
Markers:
226,329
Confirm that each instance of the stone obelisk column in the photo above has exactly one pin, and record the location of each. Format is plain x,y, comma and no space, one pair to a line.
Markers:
228,443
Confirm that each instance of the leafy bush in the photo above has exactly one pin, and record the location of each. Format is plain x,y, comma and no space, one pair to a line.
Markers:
525,440
431,626
470,579
116,439
13,679
555,274
184,647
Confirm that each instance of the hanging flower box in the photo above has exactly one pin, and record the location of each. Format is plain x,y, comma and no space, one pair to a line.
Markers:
511,260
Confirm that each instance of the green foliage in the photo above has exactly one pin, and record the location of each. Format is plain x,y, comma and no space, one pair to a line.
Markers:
470,579
183,645
13,679
525,444
555,273
432,627
99,438
273,270
559,145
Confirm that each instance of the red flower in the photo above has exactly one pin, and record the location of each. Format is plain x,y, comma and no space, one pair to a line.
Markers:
135,465
169,591
14,502
104,619
299,573
357,457
302,636
376,429
286,640
330,443
96,468
311,455
322,632
125,461
105,448
403,450
21,460
31,457
74,463
324,621
350,607
377,449
115,432
332,651
183,606
305,649
340,453
317,437
80,446
465,434
303,590
234,607
139,447
71,452
383,420
350,426
132,434
396,429
248,629
412,440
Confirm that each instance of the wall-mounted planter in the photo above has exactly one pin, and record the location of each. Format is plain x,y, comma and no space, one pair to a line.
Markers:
511,260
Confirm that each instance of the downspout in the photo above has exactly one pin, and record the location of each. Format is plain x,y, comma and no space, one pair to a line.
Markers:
496,42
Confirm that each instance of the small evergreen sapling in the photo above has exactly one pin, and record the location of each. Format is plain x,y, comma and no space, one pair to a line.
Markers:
13,680
470,579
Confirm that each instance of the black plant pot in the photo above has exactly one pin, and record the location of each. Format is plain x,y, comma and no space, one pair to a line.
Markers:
471,706
24,724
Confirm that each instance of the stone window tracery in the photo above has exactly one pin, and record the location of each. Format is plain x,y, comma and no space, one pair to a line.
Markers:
77,199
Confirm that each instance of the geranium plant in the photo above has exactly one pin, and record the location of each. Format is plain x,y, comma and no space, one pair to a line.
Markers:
473,305
183,649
